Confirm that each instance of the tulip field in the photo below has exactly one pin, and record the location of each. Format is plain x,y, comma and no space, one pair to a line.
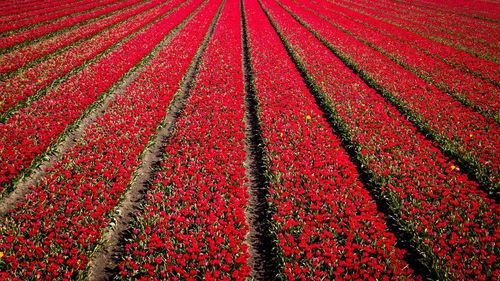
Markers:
249,140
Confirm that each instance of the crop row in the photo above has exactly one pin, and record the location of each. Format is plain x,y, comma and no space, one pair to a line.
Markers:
49,8
53,233
14,25
356,121
12,40
425,29
472,9
481,68
27,56
21,7
450,26
327,225
451,222
479,9
458,129
194,225
462,86
447,21
31,83
33,129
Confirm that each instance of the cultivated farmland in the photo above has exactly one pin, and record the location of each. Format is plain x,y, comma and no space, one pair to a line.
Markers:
249,139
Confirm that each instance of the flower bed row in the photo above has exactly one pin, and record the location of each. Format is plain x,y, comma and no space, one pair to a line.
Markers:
472,91
451,25
14,22
11,3
475,9
15,25
327,225
193,225
32,130
20,11
26,55
13,8
459,130
32,81
427,30
482,68
52,235
23,36
452,223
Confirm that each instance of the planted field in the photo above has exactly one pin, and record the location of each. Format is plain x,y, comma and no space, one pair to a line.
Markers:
249,139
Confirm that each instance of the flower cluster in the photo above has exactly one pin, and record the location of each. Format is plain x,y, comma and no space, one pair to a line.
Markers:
19,9
33,129
53,233
82,13
193,225
471,90
465,61
52,15
28,81
456,25
325,221
425,26
27,54
465,11
458,129
452,223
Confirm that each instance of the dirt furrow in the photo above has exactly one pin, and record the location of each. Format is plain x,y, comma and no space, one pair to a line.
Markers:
262,246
